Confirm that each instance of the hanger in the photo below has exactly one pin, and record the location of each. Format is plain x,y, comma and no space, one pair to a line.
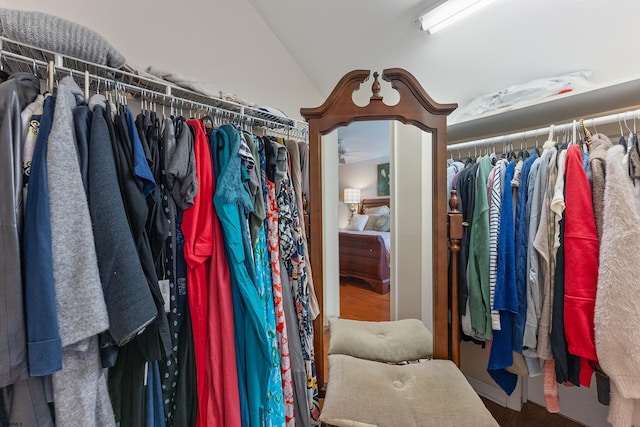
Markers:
86,86
50,76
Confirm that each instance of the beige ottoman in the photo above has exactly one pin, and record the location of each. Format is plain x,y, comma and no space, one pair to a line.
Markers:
365,393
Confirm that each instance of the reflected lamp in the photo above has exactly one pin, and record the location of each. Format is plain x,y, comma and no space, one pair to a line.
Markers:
352,198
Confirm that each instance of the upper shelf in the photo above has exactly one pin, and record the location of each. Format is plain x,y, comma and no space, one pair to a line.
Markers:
619,95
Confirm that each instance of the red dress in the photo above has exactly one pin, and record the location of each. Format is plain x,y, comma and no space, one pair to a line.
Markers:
209,294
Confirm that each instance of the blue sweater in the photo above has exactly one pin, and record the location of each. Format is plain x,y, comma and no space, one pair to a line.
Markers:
506,298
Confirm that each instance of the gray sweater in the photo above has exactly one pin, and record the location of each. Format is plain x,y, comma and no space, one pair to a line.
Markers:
80,304
58,35
80,390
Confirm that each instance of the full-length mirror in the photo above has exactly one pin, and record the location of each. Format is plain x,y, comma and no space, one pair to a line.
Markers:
417,200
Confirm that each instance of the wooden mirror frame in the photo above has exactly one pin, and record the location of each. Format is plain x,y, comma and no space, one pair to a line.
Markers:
416,108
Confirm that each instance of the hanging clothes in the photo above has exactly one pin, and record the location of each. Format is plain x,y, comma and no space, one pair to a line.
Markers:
16,94
23,400
82,122
224,397
198,229
233,205
275,404
535,200
44,345
495,203
121,273
616,312
80,392
506,299
581,266
521,253
466,186
479,304
543,244
292,254
296,173
276,281
597,159
31,116
127,376
180,407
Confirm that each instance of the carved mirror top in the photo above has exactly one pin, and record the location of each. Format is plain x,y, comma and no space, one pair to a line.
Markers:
414,107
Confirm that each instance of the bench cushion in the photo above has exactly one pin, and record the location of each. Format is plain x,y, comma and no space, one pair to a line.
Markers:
395,341
363,393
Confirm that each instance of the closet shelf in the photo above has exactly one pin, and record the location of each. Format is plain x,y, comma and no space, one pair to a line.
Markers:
619,95
16,56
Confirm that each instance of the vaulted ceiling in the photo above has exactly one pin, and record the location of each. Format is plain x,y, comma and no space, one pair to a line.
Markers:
508,42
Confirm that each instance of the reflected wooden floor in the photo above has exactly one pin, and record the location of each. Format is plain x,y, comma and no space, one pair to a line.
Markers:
359,302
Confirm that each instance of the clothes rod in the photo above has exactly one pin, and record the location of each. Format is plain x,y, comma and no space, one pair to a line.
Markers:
547,131
28,54
158,97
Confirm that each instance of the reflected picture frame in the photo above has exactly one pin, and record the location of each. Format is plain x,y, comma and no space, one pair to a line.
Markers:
383,179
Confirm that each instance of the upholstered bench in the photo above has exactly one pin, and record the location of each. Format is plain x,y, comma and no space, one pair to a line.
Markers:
365,390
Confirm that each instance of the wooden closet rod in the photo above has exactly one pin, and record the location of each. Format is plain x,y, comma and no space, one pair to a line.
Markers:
549,130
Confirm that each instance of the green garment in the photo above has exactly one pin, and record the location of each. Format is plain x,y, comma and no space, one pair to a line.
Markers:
479,302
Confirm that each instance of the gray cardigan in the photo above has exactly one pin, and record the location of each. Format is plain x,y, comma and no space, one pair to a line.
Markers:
79,389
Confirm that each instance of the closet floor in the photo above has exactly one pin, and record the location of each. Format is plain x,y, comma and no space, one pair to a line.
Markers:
531,415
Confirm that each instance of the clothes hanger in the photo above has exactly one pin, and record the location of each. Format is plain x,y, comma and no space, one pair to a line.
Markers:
50,76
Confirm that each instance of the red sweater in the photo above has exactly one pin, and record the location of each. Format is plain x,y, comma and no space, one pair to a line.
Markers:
581,265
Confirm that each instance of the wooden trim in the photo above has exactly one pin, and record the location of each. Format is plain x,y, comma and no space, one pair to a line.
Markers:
417,108
455,236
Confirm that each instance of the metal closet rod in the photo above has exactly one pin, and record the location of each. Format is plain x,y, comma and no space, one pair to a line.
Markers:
166,97
620,118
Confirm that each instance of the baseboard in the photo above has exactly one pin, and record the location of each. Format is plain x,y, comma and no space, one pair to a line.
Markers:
497,395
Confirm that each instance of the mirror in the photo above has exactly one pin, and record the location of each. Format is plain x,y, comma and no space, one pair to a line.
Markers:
415,108
364,222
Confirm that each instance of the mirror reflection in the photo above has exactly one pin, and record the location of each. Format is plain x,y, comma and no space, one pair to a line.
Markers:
380,170
364,220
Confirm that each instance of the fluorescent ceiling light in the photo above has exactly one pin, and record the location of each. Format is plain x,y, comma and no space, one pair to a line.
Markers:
449,12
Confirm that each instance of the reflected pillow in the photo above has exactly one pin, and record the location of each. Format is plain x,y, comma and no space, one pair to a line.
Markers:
378,210
380,222
358,222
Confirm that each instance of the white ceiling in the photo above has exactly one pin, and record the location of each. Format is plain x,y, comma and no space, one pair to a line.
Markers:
365,140
508,42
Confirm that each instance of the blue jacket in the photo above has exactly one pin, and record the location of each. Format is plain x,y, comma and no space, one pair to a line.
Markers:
506,298
522,238
140,165
45,347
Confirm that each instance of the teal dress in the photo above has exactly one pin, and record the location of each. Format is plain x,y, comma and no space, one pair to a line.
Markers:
274,405
233,205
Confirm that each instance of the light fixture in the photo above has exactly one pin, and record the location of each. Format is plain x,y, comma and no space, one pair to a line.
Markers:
352,197
448,12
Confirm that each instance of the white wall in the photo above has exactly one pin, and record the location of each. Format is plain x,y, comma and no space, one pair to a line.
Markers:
330,226
578,403
224,43
411,275
362,175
